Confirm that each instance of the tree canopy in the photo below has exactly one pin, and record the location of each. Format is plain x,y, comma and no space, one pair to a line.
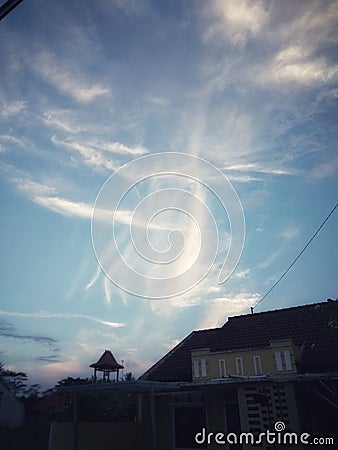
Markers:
16,383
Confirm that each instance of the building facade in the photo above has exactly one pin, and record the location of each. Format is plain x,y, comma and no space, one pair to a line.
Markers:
259,378
264,381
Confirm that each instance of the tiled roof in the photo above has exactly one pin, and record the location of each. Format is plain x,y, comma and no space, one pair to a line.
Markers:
313,328
176,365
107,361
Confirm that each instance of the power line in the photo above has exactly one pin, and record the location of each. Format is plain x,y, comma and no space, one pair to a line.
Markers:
8,6
296,259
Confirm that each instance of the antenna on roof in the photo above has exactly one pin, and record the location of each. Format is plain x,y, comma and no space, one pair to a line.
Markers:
252,309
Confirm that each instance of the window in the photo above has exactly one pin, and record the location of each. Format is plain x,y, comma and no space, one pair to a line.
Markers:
257,365
287,358
196,369
204,367
279,363
222,368
239,366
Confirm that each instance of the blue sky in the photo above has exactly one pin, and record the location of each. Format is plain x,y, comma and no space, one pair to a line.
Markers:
87,87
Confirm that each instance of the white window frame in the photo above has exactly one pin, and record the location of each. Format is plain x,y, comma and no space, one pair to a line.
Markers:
239,366
203,367
279,362
258,365
196,368
222,368
287,359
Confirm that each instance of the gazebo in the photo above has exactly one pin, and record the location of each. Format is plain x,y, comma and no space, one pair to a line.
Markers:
106,364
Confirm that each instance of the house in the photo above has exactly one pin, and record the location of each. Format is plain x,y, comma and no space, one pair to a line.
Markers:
259,371
265,380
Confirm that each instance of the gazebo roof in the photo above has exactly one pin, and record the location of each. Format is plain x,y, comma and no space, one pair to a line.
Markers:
107,362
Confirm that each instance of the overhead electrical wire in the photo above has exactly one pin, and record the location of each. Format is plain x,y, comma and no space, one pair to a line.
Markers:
8,6
296,259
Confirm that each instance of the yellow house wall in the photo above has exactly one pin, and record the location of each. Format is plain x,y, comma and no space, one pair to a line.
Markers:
267,357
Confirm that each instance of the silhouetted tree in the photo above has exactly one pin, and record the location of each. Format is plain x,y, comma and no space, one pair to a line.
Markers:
129,376
70,381
15,382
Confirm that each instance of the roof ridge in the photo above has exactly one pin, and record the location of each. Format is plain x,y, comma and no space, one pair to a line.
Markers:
271,311
208,329
304,324
160,361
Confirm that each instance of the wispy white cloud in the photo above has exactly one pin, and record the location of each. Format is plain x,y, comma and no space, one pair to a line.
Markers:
107,290
324,170
71,208
67,80
64,119
47,197
158,100
77,281
312,23
289,233
121,149
242,178
171,344
302,56
8,110
97,154
172,307
94,278
12,139
241,274
34,188
269,260
295,64
259,168
218,310
90,156
201,295
64,207
128,7
50,315
294,41
7,142
235,20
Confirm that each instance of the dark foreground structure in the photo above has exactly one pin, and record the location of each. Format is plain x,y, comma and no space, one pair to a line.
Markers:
266,380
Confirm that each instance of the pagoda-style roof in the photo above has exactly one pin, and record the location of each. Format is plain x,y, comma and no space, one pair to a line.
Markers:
107,362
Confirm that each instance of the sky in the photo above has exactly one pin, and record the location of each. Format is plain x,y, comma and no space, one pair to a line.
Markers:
139,141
